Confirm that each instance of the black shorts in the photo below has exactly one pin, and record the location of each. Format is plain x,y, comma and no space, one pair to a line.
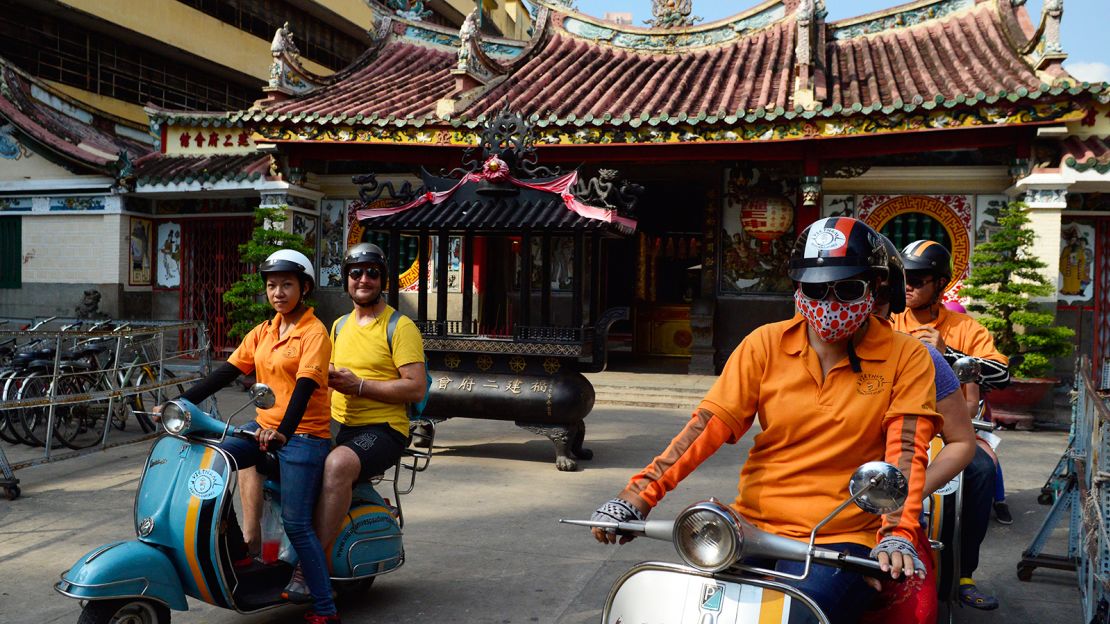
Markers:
378,446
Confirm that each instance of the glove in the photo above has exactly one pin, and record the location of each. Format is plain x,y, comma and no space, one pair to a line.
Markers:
616,510
892,544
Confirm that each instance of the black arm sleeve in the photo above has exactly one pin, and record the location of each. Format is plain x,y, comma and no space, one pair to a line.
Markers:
302,392
993,375
201,390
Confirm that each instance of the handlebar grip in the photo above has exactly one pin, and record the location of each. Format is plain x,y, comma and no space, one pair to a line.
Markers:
863,565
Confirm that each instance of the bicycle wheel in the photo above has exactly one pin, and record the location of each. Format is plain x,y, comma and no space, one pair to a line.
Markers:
143,402
7,429
33,420
76,424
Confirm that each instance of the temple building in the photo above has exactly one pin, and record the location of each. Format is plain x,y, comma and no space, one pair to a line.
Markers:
731,135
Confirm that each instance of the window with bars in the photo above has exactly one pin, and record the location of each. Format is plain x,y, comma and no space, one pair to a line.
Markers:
52,49
317,40
11,246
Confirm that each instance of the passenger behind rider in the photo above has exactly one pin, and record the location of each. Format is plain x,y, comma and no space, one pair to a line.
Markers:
372,383
910,603
289,353
833,387
928,273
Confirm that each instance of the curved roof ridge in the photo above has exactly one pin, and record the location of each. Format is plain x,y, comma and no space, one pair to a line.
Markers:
668,40
901,16
447,37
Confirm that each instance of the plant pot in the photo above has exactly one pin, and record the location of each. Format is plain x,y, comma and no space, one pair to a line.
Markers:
1021,394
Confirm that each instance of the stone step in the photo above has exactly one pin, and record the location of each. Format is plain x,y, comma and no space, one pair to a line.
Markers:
644,397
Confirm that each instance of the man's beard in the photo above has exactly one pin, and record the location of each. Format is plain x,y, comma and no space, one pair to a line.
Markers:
368,302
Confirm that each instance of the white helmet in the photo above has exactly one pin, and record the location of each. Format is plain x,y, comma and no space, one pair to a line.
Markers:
288,261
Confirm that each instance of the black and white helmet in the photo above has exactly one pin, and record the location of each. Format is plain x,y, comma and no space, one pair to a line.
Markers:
836,248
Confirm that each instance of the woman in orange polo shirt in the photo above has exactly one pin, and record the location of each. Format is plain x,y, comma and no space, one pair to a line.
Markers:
834,387
289,353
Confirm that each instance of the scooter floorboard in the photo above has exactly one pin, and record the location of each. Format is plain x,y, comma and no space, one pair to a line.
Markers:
261,586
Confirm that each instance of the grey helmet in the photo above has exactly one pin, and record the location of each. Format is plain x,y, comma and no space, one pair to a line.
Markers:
364,253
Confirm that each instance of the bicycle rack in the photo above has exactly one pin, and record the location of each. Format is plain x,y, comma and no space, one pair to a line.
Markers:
8,482
146,344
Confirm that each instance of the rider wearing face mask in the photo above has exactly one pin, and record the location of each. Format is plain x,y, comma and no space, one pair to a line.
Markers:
833,387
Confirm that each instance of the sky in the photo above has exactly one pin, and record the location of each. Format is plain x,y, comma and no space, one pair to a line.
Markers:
1080,32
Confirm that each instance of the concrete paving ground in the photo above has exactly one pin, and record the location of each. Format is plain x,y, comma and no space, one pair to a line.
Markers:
482,539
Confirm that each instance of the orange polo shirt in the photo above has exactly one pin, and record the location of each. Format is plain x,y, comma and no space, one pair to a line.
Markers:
815,432
959,331
280,362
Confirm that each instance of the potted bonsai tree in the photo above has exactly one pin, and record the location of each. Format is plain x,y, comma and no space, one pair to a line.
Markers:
245,298
247,306
1005,277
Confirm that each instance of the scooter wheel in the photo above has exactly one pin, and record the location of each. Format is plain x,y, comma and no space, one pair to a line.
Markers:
12,492
124,610
1046,498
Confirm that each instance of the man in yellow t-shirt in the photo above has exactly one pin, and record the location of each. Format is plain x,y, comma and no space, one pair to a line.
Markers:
372,382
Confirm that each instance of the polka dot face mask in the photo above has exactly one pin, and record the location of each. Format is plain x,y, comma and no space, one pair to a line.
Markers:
834,320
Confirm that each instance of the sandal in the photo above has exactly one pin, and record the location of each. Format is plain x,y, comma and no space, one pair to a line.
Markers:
972,597
297,590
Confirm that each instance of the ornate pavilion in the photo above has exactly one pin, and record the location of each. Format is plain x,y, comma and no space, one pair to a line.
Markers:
918,119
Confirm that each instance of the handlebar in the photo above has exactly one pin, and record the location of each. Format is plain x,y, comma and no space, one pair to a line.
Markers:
42,322
982,425
272,447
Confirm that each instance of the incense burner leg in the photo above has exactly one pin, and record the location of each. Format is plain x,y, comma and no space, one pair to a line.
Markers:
567,441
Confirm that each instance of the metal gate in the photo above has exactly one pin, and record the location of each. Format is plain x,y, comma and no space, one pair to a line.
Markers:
1101,353
209,266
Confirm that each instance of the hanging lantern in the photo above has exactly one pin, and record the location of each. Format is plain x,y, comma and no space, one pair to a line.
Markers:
766,218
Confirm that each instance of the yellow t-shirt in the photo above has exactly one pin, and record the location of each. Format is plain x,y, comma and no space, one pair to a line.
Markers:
364,350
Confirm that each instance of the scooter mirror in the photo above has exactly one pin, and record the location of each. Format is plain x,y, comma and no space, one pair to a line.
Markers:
967,370
262,396
878,488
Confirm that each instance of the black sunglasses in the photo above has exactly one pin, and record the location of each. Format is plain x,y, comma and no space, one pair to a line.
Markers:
918,281
356,274
846,291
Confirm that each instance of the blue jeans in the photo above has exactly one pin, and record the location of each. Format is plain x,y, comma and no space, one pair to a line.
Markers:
842,594
979,491
301,462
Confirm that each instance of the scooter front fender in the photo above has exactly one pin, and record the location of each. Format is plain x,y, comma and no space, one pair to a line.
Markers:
127,569
667,592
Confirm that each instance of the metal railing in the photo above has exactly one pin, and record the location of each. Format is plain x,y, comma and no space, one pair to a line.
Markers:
81,370
1079,489
520,333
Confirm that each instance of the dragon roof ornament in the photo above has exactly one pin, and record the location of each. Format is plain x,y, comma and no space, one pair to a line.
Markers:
672,14
409,9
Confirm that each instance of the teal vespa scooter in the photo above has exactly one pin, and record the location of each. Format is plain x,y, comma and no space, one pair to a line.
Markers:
180,551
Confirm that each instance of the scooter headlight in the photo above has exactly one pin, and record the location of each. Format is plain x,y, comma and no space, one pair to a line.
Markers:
175,418
707,536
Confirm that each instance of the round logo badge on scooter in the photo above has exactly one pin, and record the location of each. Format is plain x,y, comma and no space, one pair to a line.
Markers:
205,484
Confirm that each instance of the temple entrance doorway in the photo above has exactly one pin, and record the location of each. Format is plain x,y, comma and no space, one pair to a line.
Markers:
656,273
209,266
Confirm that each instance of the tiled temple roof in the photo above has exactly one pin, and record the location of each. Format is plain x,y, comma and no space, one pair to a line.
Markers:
65,127
779,60
157,169
533,211
1090,153
403,80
